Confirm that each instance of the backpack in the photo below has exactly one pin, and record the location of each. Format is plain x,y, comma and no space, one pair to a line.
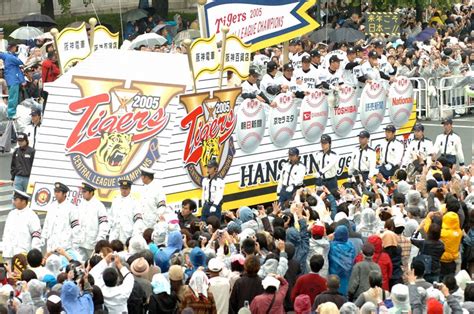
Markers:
136,302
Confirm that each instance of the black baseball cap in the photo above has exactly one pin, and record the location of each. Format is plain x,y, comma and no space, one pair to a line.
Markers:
358,48
350,50
334,58
35,112
306,59
447,120
373,54
21,137
390,128
212,163
296,42
293,151
325,138
378,44
271,65
253,72
419,127
288,67
314,53
364,134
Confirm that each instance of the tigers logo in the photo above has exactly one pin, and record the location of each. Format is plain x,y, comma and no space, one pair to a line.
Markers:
117,127
210,122
42,197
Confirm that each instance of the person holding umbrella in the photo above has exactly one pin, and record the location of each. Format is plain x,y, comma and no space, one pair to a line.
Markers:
14,77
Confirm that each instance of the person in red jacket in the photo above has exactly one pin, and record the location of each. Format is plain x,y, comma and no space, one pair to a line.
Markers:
271,301
50,70
381,258
311,284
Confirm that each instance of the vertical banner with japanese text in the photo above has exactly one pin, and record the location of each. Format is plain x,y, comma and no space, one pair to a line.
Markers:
73,46
105,39
205,56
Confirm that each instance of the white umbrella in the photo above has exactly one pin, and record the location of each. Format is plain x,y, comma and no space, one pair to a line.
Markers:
186,34
45,36
149,40
25,33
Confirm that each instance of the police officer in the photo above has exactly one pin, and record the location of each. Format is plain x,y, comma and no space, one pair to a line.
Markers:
125,219
61,225
419,149
326,162
291,176
22,162
153,199
92,220
33,128
391,152
250,88
269,87
364,158
212,192
22,228
449,145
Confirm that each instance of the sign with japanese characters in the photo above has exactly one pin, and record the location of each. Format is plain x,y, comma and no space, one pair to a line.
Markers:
261,23
105,39
237,57
382,23
204,56
73,46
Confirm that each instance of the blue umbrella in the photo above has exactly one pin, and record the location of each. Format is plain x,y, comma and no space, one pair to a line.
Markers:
425,34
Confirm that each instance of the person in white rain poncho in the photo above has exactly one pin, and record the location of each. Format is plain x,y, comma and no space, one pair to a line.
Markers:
153,199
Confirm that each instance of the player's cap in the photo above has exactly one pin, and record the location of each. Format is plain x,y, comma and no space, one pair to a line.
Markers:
364,134
373,54
326,139
447,121
390,128
418,127
306,59
288,67
334,58
271,65
293,151
253,72
213,163
314,53
61,187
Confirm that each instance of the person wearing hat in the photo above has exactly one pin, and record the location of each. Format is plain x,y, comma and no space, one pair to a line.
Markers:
331,76
306,75
326,164
350,67
33,128
219,285
268,85
125,219
288,82
359,280
384,65
370,71
419,149
364,159
14,77
391,152
92,220
212,191
298,54
291,176
250,88
22,228
448,145
315,59
273,297
22,162
61,225
152,203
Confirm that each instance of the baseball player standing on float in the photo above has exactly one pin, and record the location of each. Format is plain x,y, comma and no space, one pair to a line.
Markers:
92,220
449,145
419,149
326,161
331,77
250,88
306,76
299,54
22,228
61,225
212,192
268,85
370,71
291,176
364,158
153,198
125,220
391,152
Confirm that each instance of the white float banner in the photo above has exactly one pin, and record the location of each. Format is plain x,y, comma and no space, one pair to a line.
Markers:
104,39
73,45
204,55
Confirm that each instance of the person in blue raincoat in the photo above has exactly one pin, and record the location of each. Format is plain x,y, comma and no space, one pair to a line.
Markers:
300,239
14,77
341,257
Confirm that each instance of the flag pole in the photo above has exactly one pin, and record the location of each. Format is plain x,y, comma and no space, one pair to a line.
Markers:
187,44
55,33
202,18
92,23
224,30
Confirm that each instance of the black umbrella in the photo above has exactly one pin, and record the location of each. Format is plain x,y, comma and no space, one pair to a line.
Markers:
37,20
321,34
346,34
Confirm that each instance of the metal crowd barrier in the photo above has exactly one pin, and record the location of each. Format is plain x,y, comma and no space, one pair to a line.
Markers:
420,89
449,99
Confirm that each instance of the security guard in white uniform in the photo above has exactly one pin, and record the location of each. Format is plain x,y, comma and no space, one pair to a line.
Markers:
61,225
212,192
22,228
291,176
153,199
419,149
92,220
125,219
364,158
326,162
449,145
391,152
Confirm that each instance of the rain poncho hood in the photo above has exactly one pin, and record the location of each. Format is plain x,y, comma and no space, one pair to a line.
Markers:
175,243
73,302
341,257
451,236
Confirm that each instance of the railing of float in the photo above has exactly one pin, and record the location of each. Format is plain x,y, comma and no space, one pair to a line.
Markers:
420,89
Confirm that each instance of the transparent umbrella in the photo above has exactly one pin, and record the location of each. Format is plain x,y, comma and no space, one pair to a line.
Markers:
149,40
26,32
186,34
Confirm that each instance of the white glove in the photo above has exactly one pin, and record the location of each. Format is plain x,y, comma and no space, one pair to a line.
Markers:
289,189
213,209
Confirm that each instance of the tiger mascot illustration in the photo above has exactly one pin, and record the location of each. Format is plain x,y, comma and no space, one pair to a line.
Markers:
210,150
113,150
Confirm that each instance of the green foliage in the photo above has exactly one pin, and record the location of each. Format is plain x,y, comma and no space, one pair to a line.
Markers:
388,5
65,6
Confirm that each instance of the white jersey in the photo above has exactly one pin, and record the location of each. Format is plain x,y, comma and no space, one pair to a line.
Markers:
296,59
61,227
22,232
327,164
391,152
267,81
384,65
308,78
248,88
449,144
125,220
153,203
212,190
292,86
371,73
261,60
32,132
423,147
349,75
93,222
363,160
291,176
332,78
